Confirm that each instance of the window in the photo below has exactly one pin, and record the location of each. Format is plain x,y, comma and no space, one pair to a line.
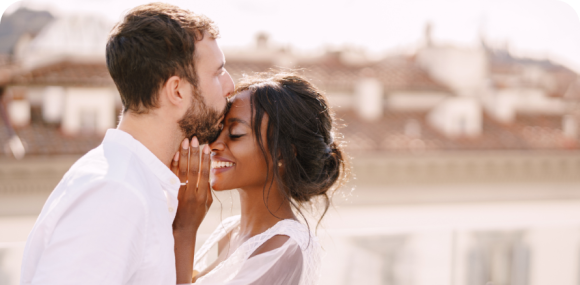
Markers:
381,260
498,258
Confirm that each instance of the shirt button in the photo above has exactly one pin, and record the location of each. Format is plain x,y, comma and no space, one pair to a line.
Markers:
170,209
173,181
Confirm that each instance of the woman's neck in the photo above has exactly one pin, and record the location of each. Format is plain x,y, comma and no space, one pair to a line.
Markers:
262,211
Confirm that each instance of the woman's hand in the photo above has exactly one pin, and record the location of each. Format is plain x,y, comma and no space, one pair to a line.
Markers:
195,197
194,201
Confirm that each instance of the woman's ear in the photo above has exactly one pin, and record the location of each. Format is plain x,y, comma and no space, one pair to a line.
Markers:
280,160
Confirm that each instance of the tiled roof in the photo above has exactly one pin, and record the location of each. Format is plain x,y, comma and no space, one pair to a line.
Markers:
331,74
6,74
41,139
66,74
388,134
502,63
405,74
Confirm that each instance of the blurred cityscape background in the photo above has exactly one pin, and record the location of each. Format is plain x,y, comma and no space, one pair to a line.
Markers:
464,133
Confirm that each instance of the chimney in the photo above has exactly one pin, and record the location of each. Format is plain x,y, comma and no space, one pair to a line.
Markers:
369,96
428,35
262,40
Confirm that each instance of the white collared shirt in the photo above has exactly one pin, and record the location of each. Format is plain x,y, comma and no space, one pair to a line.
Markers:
108,221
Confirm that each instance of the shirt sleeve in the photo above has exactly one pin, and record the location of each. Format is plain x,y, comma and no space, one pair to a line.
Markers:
98,238
281,266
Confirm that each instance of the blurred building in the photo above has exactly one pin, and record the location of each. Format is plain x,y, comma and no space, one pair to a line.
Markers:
467,160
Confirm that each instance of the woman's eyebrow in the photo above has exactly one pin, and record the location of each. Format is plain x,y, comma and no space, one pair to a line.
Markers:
232,120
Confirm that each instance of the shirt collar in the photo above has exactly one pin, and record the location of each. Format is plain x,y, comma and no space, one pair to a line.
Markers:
168,179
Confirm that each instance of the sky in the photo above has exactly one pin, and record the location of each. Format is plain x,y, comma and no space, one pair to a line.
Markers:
532,28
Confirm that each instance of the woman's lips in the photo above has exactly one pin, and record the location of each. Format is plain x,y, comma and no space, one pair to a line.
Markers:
221,165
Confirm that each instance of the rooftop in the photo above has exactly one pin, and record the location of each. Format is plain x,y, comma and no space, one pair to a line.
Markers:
395,131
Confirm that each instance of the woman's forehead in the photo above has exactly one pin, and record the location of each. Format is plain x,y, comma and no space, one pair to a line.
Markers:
241,105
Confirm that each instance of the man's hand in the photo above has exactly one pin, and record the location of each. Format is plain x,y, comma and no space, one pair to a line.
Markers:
194,201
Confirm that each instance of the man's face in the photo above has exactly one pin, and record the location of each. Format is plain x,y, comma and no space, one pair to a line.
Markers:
210,97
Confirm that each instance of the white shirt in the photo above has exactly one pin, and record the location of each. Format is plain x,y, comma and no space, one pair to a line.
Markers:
108,221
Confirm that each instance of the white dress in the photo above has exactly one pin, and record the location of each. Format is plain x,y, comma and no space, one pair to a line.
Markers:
297,262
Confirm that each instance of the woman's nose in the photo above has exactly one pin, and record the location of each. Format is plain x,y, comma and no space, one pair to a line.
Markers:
218,145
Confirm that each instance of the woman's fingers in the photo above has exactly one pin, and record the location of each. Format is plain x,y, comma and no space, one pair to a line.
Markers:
193,202
203,186
193,164
182,168
184,153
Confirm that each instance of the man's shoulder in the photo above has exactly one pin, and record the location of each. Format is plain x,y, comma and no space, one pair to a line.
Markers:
103,168
110,162
89,188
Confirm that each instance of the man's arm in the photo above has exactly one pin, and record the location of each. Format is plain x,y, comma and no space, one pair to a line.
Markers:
99,239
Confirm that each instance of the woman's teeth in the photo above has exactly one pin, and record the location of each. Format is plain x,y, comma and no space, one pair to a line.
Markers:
221,164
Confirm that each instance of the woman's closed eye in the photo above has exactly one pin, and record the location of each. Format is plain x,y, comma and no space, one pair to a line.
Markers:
236,136
237,128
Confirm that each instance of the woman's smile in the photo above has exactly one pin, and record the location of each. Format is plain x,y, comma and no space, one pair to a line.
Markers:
219,165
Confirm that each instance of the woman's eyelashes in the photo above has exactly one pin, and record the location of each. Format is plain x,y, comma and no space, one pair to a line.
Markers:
236,136
236,131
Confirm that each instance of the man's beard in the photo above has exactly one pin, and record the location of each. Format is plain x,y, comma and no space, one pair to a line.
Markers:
201,121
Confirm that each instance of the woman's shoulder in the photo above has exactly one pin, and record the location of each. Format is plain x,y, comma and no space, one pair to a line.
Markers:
310,248
298,232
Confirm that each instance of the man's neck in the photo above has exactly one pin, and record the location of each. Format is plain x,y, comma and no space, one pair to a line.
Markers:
153,132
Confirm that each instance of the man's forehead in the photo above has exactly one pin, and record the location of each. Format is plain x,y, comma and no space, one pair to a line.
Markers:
207,51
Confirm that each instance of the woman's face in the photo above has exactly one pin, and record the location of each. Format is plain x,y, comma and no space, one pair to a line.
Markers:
237,161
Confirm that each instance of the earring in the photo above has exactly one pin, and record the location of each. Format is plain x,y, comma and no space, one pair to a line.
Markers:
280,163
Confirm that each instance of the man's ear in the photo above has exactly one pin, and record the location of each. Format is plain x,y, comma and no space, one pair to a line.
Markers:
172,90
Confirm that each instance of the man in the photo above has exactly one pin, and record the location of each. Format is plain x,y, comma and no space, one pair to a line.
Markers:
109,220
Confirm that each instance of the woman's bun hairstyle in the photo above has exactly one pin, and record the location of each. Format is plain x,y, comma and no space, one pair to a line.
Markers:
301,135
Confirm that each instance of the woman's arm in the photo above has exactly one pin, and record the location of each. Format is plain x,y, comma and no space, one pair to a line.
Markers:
194,201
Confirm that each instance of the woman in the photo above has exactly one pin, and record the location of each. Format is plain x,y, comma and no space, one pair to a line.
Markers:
277,148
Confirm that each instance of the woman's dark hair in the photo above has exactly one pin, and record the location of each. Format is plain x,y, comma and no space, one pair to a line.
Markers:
300,134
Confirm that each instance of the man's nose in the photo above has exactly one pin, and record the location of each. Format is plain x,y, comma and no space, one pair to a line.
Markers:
229,85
